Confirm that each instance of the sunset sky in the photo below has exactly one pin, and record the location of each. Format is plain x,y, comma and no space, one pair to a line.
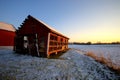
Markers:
80,20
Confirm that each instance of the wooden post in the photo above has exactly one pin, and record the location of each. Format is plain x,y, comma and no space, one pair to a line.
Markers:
48,45
37,44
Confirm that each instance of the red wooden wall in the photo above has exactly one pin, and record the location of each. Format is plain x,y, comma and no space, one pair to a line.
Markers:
31,27
6,38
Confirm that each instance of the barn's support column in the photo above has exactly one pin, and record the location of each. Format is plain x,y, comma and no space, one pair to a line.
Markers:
48,45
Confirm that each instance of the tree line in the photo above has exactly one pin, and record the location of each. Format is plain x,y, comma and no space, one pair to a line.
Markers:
90,43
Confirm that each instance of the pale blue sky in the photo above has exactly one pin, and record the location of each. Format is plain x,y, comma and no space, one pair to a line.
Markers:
80,20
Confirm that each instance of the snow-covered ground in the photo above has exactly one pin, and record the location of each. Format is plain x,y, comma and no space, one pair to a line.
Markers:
107,51
6,47
72,65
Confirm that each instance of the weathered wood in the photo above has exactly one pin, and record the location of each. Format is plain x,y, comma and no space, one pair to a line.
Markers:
48,41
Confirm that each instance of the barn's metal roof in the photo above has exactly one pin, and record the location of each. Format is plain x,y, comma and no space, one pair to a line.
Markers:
8,27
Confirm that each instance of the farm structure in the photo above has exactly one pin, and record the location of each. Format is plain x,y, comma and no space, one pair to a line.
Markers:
7,34
36,38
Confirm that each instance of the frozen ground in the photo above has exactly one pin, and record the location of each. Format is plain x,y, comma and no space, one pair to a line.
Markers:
72,65
108,51
6,47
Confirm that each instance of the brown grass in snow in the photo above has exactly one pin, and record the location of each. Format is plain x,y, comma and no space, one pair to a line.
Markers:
106,61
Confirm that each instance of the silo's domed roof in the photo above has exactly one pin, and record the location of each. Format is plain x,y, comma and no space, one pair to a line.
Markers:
8,27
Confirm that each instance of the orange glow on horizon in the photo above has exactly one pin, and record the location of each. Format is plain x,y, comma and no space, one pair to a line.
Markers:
103,35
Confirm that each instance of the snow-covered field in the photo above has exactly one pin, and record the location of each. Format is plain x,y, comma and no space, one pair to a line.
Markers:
6,47
107,51
72,65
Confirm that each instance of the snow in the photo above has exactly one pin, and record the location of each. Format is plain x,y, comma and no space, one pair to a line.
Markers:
8,27
6,47
108,51
72,65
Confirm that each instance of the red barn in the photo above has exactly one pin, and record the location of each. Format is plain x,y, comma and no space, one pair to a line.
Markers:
7,34
34,37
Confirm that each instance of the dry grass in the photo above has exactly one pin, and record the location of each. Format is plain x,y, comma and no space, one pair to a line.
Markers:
106,61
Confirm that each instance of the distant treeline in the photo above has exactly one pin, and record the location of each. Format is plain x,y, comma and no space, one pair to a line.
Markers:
89,43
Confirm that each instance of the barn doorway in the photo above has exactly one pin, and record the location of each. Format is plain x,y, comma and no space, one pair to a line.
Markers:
30,44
